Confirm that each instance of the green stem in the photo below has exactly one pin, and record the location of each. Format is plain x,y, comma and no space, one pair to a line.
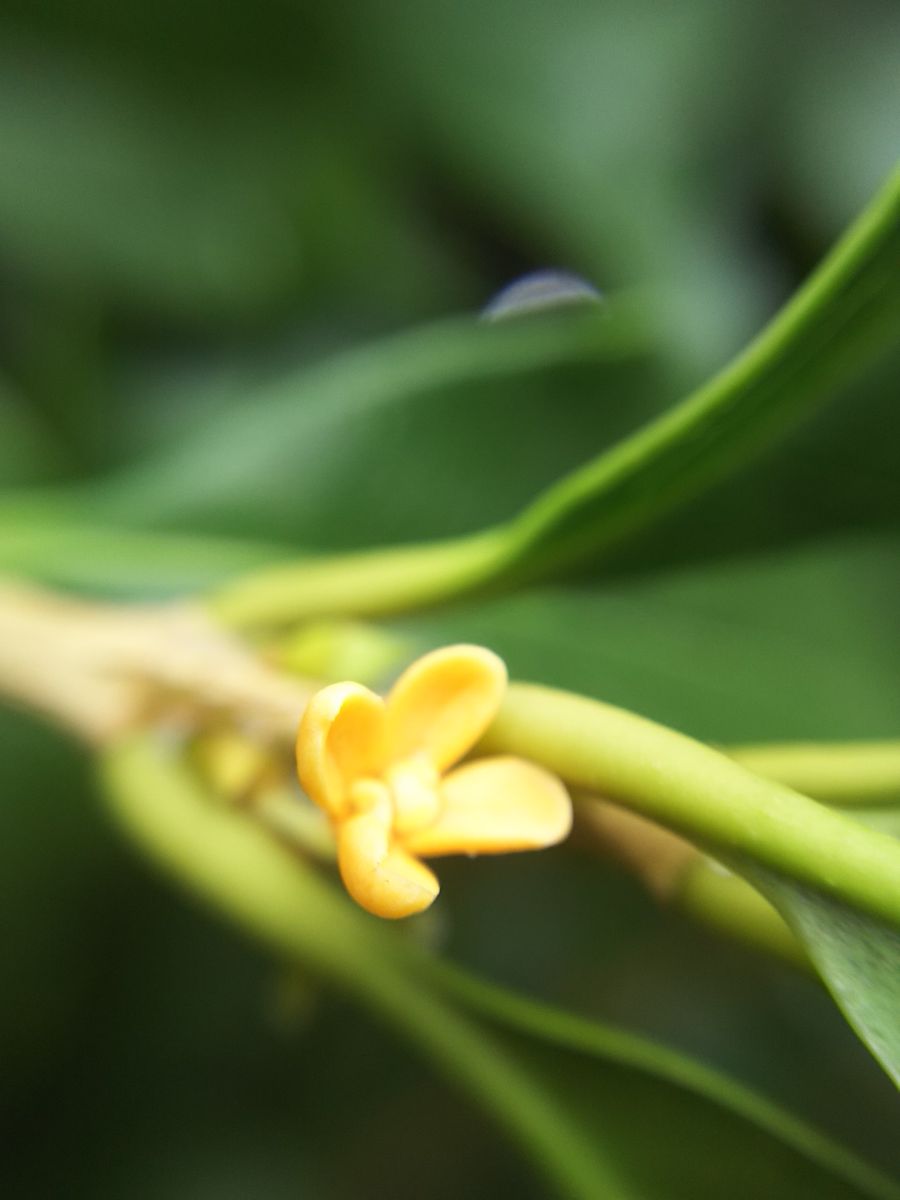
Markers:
280,900
700,793
843,317
858,774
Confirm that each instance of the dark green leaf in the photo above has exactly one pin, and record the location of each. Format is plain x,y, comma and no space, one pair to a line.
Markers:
841,320
858,958
789,646
703,1123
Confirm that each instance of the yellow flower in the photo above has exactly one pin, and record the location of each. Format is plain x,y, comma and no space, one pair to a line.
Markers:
380,769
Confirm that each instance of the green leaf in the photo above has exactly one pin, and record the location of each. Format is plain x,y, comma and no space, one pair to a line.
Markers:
303,462
779,500
366,446
857,956
27,453
792,646
842,318
579,1098
92,183
613,77
138,181
346,451
49,543
837,135
704,1124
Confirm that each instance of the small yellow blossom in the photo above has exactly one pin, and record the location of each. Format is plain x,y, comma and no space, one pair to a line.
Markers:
380,769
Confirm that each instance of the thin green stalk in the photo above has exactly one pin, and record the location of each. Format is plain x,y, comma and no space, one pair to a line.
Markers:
700,793
371,583
845,774
840,320
280,900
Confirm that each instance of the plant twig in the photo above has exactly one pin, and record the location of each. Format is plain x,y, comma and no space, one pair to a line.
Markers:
101,670
845,774
700,794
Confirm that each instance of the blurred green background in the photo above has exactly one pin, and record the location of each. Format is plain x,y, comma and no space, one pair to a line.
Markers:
217,225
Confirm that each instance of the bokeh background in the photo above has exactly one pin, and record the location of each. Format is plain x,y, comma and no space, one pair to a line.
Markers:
230,238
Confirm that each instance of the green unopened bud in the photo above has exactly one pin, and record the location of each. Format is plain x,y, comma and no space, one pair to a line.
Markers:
334,650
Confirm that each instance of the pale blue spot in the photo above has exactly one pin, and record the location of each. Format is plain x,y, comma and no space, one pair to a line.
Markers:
538,291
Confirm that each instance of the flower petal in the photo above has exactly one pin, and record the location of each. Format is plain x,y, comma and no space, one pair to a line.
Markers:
382,878
340,740
442,704
494,806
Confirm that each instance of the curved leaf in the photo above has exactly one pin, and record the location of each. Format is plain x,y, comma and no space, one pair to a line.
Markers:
841,319
347,449
51,544
836,323
794,646
703,1122
857,956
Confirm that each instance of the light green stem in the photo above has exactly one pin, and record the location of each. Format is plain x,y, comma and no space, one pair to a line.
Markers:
700,793
371,583
842,318
860,774
279,899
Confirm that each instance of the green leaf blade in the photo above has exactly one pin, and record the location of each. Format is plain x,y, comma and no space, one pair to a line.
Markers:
840,321
857,956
